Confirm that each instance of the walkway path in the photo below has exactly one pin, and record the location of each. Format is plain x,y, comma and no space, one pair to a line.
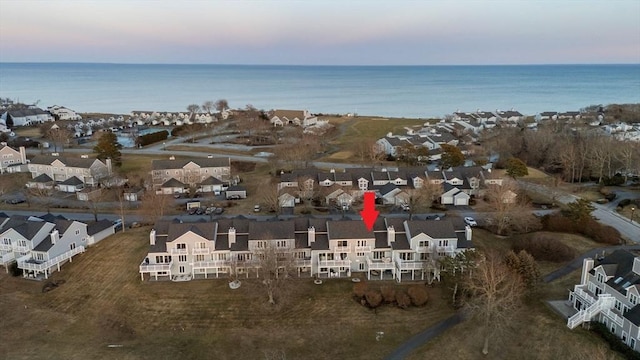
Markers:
421,338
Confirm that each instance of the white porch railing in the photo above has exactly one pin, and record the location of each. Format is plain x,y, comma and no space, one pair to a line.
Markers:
334,263
179,252
446,249
8,257
21,249
424,249
363,249
605,302
614,317
410,265
303,262
200,251
6,247
341,248
584,296
380,264
43,266
210,264
147,268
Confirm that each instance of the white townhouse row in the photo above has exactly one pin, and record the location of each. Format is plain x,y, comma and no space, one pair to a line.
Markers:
40,245
609,293
292,117
24,117
393,144
63,113
394,249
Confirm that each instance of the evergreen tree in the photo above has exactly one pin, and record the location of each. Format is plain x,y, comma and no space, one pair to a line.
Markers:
109,147
516,168
451,156
579,210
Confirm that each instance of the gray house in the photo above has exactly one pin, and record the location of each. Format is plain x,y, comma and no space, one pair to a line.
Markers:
609,293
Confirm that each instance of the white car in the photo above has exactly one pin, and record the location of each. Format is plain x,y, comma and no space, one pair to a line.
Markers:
470,221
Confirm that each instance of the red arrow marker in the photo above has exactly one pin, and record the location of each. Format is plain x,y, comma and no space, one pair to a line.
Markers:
369,213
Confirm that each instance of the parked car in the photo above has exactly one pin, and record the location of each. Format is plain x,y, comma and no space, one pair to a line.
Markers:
117,224
470,221
256,208
14,201
218,211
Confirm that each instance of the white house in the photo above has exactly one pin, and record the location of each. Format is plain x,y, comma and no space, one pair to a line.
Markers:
292,117
609,293
63,113
25,117
59,169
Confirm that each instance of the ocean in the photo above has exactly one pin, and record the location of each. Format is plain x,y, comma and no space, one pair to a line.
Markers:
390,91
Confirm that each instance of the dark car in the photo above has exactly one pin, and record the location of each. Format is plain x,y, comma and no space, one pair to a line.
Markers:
218,211
15,201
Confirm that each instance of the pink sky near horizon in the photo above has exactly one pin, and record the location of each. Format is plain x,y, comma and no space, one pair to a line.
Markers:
321,32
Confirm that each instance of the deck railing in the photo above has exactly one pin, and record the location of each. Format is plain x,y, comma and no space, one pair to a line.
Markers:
42,266
151,268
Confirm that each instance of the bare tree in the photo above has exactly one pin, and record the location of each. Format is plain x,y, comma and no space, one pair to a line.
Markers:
368,151
221,105
95,201
208,106
41,195
153,205
59,136
508,207
192,109
496,293
276,266
270,198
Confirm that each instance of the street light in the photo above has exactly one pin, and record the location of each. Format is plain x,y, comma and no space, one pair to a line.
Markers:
164,146
632,210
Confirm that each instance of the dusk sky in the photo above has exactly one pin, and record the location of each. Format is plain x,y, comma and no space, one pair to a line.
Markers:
322,32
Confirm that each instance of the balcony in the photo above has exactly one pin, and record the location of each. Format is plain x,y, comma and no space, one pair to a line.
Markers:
334,263
383,264
424,249
614,317
28,263
446,249
200,251
211,264
6,247
363,248
586,297
7,258
152,268
21,249
303,263
410,265
179,252
341,248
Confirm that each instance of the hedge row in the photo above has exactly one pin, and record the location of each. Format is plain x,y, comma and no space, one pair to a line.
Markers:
615,343
587,227
151,138
544,247
415,295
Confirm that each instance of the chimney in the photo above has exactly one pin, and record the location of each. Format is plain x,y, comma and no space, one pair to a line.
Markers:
55,236
468,232
152,237
232,236
108,163
391,235
23,155
311,235
587,265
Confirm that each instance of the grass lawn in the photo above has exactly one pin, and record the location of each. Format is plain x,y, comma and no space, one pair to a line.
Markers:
103,302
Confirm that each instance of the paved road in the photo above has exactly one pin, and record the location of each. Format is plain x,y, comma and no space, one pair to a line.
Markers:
421,338
604,214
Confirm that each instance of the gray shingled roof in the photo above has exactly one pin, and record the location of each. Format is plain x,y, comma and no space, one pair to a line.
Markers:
95,227
71,162
74,181
211,181
173,182
348,229
268,230
181,163
437,229
42,178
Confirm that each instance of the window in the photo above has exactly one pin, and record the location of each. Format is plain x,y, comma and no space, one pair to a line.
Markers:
632,343
181,269
22,243
6,241
424,243
261,244
633,299
201,245
613,328
78,232
182,258
361,266
600,277
424,256
378,255
624,337
362,242
159,260
181,246
199,258
72,246
443,242
405,256
342,243
360,254
221,256
618,305
281,243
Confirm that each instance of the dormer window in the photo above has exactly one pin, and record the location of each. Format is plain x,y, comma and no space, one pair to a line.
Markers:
633,299
600,277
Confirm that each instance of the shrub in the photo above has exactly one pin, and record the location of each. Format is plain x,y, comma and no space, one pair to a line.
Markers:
388,294
418,295
544,247
624,202
14,270
360,289
558,223
403,300
614,342
151,138
373,297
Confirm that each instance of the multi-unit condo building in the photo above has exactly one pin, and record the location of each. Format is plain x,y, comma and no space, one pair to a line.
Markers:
292,117
63,113
57,171
177,176
390,185
40,245
394,249
24,117
609,293
12,160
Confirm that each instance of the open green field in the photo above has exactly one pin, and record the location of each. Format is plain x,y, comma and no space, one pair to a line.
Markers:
103,303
